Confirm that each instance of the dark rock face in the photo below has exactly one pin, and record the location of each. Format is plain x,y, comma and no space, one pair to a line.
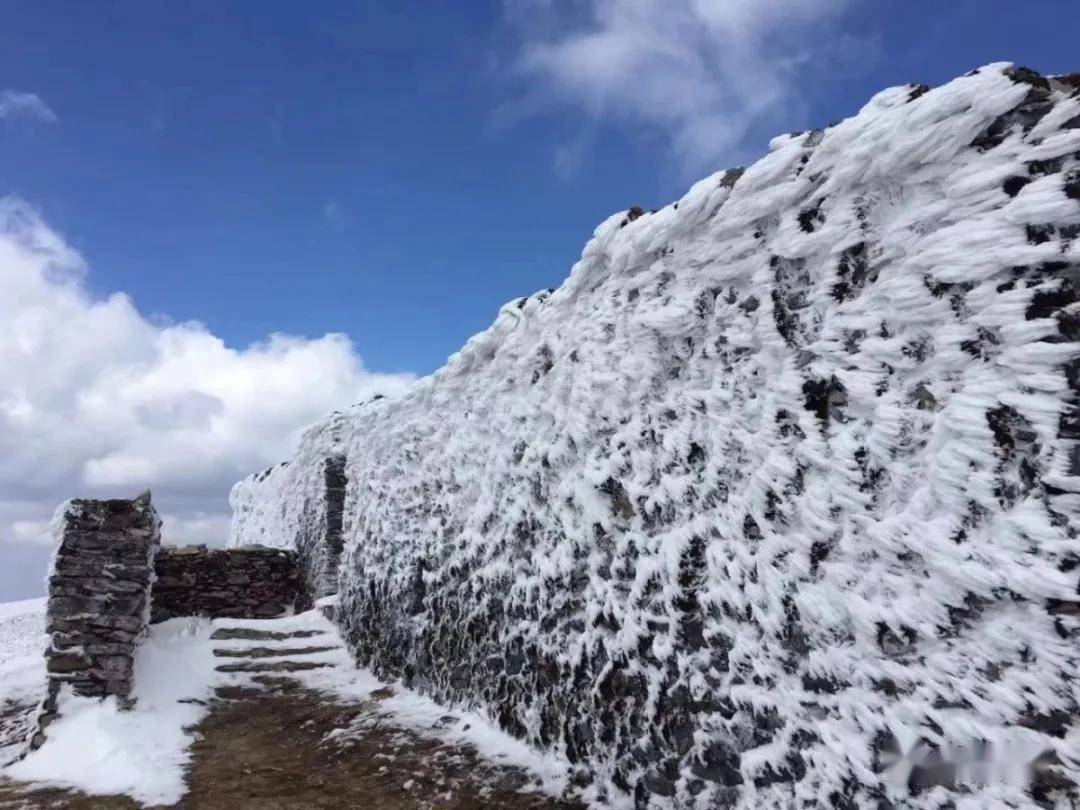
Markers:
247,583
99,598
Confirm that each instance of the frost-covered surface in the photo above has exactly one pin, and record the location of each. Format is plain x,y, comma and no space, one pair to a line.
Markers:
776,497
262,514
286,507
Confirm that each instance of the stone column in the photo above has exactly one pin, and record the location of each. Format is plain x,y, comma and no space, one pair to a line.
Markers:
99,598
336,482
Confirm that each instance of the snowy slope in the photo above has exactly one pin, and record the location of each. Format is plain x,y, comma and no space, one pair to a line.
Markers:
22,671
777,495
22,648
23,644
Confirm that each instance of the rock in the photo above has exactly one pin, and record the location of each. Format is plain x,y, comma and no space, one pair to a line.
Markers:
269,652
66,662
275,666
251,634
224,583
98,595
127,624
318,540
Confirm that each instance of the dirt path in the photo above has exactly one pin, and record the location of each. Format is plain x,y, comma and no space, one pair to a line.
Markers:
276,746
268,742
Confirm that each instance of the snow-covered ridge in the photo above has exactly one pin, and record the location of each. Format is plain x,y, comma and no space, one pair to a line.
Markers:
777,495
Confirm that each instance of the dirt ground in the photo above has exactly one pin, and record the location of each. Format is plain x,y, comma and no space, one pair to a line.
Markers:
267,747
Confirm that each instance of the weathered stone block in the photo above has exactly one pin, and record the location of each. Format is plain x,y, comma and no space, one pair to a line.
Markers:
127,624
66,662
99,591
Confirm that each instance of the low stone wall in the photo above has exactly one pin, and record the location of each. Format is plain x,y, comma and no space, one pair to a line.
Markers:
253,582
99,592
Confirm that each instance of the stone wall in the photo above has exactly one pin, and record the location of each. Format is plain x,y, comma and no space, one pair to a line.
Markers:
781,486
99,591
320,549
253,582
298,507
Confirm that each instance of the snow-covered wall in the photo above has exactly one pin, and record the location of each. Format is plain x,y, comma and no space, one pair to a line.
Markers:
775,501
298,506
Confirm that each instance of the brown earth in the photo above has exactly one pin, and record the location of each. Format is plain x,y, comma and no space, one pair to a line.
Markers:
266,747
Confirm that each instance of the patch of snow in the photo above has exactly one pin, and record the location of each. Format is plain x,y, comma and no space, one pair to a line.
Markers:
21,608
97,748
22,649
22,667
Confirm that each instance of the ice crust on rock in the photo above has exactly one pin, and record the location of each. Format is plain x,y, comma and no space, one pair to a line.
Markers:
288,507
775,499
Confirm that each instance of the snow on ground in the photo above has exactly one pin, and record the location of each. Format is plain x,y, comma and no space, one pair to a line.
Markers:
98,749
22,670
22,642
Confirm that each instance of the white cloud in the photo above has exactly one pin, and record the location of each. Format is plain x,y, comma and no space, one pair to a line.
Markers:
14,104
97,400
34,532
211,530
701,73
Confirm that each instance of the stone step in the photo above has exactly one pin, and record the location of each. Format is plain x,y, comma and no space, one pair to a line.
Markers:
269,652
251,634
272,666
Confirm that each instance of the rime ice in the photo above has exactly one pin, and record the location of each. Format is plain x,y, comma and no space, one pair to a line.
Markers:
776,497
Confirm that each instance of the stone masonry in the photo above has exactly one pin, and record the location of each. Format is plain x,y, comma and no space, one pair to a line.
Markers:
99,598
311,522
320,548
252,582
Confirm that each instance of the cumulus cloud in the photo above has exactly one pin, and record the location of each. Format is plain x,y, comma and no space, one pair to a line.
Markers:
198,527
701,73
98,400
16,105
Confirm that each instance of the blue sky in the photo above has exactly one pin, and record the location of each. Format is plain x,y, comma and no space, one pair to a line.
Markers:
393,172
361,167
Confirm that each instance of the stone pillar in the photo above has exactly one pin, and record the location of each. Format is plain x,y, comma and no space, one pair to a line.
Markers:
319,539
99,598
334,475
